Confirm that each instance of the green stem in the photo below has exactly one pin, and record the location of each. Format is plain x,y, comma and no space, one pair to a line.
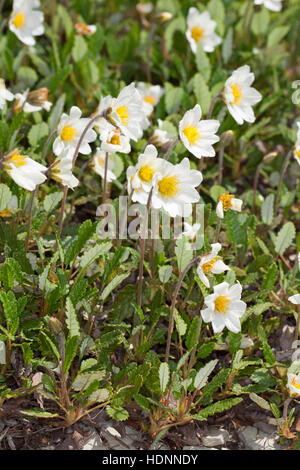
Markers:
282,173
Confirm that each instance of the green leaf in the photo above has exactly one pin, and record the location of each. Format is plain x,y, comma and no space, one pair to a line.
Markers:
56,112
270,278
71,319
112,285
227,45
190,340
165,273
85,379
27,353
267,209
37,132
164,376
70,352
285,237
10,308
218,407
2,353
276,35
5,196
260,22
52,200
184,252
92,254
119,414
80,48
202,375
203,63
180,323
173,99
202,93
37,413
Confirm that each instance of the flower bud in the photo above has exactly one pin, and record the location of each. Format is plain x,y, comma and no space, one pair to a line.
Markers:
55,326
164,16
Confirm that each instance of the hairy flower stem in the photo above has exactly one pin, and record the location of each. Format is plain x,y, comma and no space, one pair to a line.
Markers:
105,178
174,299
256,178
89,124
213,103
33,196
143,239
221,163
171,147
282,173
34,193
61,215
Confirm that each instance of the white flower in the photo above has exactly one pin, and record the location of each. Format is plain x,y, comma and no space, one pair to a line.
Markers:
98,165
127,112
191,231
294,383
239,96
69,131
297,145
228,201
295,299
101,124
85,29
150,95
25,21
5,95
34,101
113,141
61,171
174,188
224,308
198,136
23,170
144,8
274,5
11,207
201,29
211,263
147,166
160,137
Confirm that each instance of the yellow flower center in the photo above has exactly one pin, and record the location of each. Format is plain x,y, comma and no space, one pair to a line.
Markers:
168,186
17,159
221,304
5,213
68,133
197,33
226,200
149,99
294,383
298,154
123,113
237,94
101,162
146,173
115,140
19,20
207,267
192,134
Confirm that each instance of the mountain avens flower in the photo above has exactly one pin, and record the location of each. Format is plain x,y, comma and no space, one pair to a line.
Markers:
211,264
25,21
69,131
224,307
239,96
273,5
5,95
174,188
98,165
201,30
23,170
228,201
197,135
